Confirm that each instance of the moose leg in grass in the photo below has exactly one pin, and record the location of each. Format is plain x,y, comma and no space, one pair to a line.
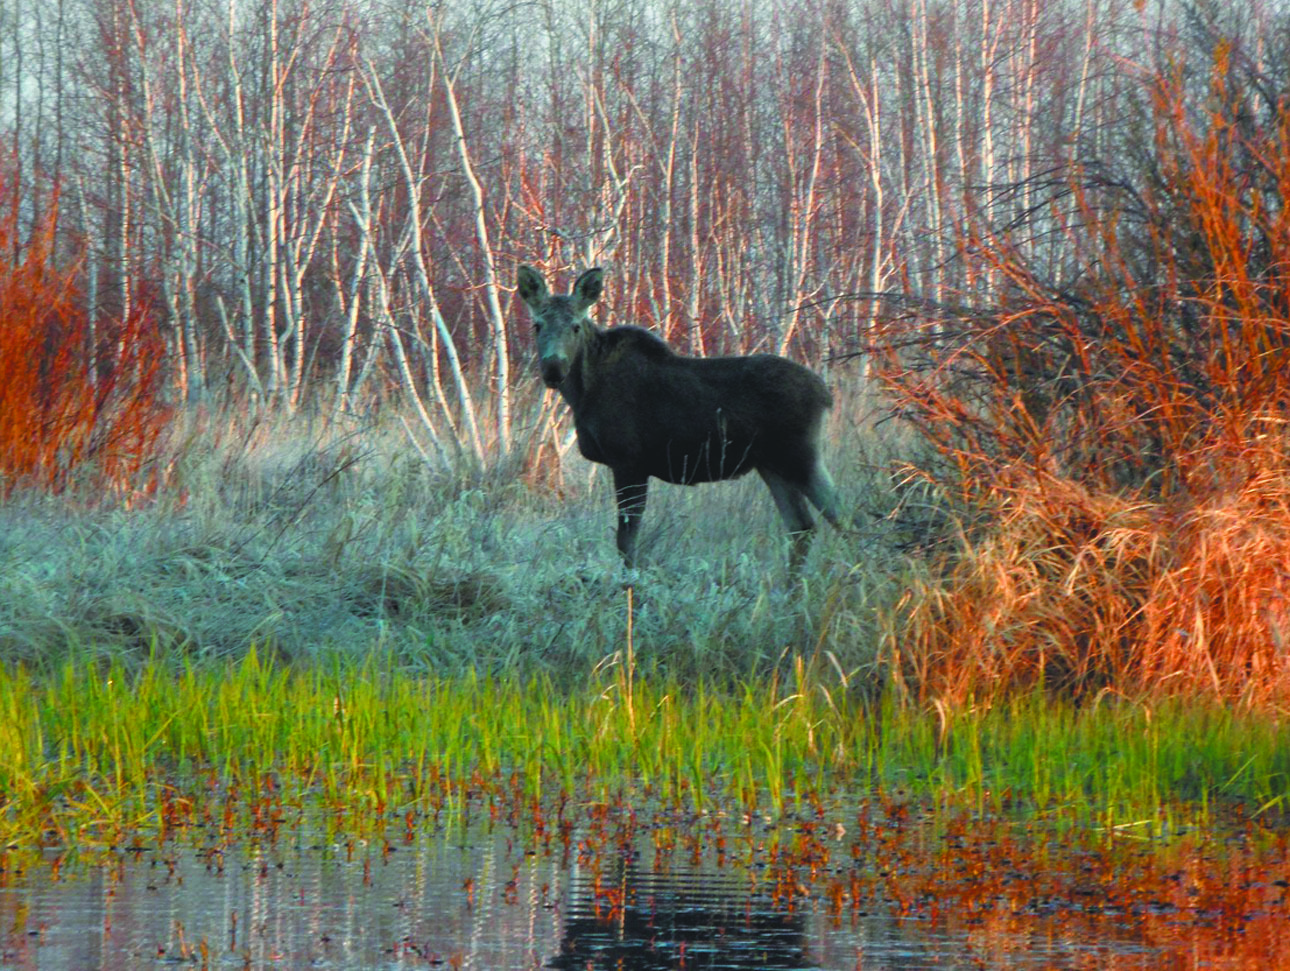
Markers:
644,410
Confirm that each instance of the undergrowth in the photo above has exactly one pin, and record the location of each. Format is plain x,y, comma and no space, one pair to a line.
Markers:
310,536
80,398
95,757
1111,424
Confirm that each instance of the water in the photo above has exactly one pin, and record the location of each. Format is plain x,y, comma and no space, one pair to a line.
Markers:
641,898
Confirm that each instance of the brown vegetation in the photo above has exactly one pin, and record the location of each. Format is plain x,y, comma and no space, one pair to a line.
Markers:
1118,422
79,400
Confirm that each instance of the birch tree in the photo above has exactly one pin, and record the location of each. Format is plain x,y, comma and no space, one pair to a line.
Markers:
411,252
175,178
488,260
306,166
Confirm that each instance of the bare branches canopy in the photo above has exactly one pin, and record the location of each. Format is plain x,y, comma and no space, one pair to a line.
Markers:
323,199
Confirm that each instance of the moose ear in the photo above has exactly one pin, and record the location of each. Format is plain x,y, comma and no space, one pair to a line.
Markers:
589,287
530,285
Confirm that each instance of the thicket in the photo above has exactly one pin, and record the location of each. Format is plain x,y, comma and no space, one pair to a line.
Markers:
1113,422
80,397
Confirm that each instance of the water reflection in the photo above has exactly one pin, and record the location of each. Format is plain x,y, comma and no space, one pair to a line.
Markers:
495,900
646,921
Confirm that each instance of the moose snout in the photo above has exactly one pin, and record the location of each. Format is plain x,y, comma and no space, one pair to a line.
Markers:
553,371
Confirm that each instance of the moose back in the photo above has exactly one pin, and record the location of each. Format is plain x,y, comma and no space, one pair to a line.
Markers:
644,410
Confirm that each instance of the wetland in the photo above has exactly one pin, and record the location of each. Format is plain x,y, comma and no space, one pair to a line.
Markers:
325,709
631,884
252,815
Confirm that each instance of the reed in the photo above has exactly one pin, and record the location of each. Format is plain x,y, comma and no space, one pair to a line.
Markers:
1113,426
91,757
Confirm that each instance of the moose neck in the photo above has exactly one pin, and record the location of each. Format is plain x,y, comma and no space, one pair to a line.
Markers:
578,381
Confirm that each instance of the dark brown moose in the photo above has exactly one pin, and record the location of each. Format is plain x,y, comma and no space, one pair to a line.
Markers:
644,410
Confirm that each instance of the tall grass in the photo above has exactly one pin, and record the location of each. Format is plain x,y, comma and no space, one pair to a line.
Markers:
96,757
310,619
309,537
1114,425
1087,590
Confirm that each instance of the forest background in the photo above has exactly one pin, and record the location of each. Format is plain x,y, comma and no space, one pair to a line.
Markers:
1053,234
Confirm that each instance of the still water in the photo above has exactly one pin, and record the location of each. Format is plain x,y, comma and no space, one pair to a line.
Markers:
638,897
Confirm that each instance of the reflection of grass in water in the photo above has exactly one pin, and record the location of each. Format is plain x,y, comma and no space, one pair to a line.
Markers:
90,755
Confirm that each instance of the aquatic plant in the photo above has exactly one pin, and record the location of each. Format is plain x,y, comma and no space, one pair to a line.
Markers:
90,754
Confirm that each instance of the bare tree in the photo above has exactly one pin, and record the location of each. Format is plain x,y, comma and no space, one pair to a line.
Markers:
313,199
488,261
411,251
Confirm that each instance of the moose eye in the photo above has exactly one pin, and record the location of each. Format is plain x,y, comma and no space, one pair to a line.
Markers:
537,328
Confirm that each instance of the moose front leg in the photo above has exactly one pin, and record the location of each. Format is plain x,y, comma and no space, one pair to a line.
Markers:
630,490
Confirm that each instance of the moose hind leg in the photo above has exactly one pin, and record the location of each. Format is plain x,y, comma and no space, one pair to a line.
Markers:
791,503
824,494
630,491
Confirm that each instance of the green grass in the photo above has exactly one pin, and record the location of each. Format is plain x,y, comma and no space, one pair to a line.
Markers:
1114,763
90,757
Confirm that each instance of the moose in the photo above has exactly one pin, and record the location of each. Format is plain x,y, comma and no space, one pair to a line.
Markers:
644,410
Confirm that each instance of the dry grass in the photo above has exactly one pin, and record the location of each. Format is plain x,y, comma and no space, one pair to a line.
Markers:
1113,424
307,537
1086,591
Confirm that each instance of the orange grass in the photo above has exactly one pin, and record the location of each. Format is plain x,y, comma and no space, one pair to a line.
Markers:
1115,425
69,411
1087,590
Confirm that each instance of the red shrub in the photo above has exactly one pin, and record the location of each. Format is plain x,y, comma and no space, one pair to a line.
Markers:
1119,425
70,412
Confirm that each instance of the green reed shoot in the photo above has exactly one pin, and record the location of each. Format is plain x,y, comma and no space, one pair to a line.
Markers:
84,750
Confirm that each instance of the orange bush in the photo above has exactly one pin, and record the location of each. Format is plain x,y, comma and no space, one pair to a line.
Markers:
69,412
1118,425
1088,590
